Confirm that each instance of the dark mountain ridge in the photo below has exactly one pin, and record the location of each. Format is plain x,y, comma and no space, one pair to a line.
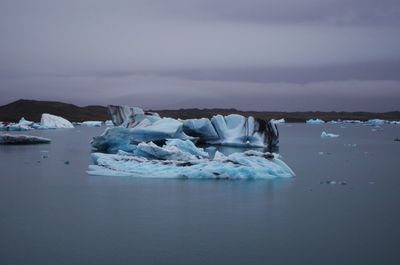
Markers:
33,109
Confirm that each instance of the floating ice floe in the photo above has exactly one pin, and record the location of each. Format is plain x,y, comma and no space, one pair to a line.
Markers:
329,135
185,164
49,121
22,139
315,121
375,122
92,123
278,121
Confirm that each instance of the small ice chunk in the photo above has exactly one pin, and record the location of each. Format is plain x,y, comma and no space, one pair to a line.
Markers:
325,135
92,123
375,122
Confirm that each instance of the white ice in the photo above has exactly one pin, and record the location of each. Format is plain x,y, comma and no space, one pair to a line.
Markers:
231,130
375,122
92,123
329,135
315,121
247,165
278,121
49,121
149,129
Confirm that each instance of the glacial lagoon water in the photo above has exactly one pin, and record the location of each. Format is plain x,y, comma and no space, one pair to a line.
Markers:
52,212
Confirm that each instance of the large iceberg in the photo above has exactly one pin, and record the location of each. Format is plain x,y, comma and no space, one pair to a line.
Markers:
22,139
145,145
182,164
315,121
135,126
49,121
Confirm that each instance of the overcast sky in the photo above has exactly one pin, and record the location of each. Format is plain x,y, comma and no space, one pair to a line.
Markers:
246,54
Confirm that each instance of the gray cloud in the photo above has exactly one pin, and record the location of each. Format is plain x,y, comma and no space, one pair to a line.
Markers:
113,50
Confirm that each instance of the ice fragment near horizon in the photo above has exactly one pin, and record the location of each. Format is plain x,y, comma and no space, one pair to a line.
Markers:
49,121
315,121
92,123
375,122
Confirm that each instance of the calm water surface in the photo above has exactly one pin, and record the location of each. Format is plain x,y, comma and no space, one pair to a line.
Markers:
53,213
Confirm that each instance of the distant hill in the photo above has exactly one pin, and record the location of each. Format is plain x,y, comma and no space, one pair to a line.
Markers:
33,109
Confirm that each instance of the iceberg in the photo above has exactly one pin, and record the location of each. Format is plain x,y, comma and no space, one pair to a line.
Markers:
18,127
128,117
22,139
375,122
92,123
315,121
49,121
135,126
247,165
24,122
143,144
22,125
233,130
325,135
126,139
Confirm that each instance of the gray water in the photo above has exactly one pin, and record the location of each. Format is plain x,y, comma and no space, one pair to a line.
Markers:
54,213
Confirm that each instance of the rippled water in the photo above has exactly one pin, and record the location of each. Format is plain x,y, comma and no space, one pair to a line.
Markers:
54,213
